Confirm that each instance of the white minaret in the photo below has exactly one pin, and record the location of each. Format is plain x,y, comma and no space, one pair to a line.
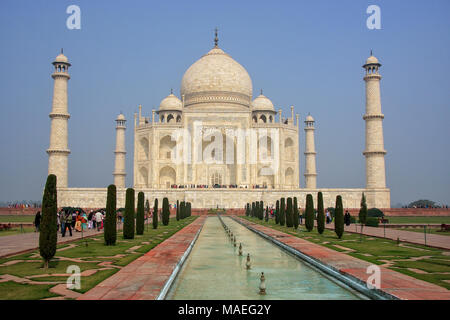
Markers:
310,154
374,152
119,167
58,151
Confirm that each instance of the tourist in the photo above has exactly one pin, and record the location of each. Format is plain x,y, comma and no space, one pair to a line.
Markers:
347,218
78,223
90,216
99,219
327,214
74,218
300,217
67,223
84,221
37,221
62,219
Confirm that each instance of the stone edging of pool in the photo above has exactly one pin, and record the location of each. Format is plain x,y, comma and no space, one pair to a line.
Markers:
165,290
400,286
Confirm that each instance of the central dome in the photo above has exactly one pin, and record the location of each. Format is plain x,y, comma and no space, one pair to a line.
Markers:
216,78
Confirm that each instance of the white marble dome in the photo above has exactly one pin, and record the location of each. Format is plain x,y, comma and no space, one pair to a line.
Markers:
171,102
120,117
372,60
216,77
309,118
262,103
61,58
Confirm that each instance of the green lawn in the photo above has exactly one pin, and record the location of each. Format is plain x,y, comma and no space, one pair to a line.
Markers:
16,230
16,218
424,220
378,251
429,231
88,257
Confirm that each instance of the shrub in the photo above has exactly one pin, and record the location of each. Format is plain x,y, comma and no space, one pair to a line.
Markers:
339,218
363,210
110,233
289,214
155,214
140,214
296,213
372,222
375,213
48,229
309,213
128,219
282,216
320,214
277,212
165,212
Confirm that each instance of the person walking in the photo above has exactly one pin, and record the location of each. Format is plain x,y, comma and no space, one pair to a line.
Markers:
67,224
37,221
98,219
90,217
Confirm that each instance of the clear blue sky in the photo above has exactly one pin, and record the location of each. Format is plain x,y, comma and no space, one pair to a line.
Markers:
303,53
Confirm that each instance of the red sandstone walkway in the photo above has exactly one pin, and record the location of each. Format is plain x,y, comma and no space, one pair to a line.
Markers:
394,283
144,278
433,240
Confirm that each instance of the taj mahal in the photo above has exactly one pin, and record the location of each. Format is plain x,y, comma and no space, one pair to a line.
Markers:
215,145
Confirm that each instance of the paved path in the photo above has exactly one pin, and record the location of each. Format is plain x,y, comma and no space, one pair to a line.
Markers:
392,282
19,243
144,278
433,240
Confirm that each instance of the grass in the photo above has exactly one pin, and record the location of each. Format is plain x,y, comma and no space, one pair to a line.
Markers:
377,251
429,231
16,230
16,218
90,256
425,220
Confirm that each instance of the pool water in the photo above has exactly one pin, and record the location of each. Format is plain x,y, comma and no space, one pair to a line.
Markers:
215,271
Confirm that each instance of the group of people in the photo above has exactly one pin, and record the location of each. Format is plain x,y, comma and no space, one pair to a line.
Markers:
79,221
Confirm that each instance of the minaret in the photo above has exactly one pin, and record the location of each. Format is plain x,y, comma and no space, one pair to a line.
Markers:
310,154
374,152
119,167
58,151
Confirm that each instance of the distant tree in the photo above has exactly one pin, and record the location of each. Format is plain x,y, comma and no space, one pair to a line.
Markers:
289,213
165,211
339,218
140,214
128,218
309,213
320,214
178,210
282,216
261,210
48,229
110,233
247,210
422,204
189,209
155,214
277,212
375,213
296,213
253,209
266,218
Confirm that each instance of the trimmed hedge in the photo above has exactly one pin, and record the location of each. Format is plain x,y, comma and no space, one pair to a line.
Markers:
110,233
128,218
48,235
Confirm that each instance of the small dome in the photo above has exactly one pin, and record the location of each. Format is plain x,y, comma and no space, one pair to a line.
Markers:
309,118
261,102
372,60
171,102
61,58
120,117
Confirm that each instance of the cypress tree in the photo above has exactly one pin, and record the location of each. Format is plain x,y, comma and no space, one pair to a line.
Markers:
277,212
309,213
165,212
247,209
178,210
128,218
147,211
189,209
363,212
261,210
282,216
48,229
339,217
253,210
110,233
155,214
296,213
320,214
289,213
267,214
140,214
183,209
